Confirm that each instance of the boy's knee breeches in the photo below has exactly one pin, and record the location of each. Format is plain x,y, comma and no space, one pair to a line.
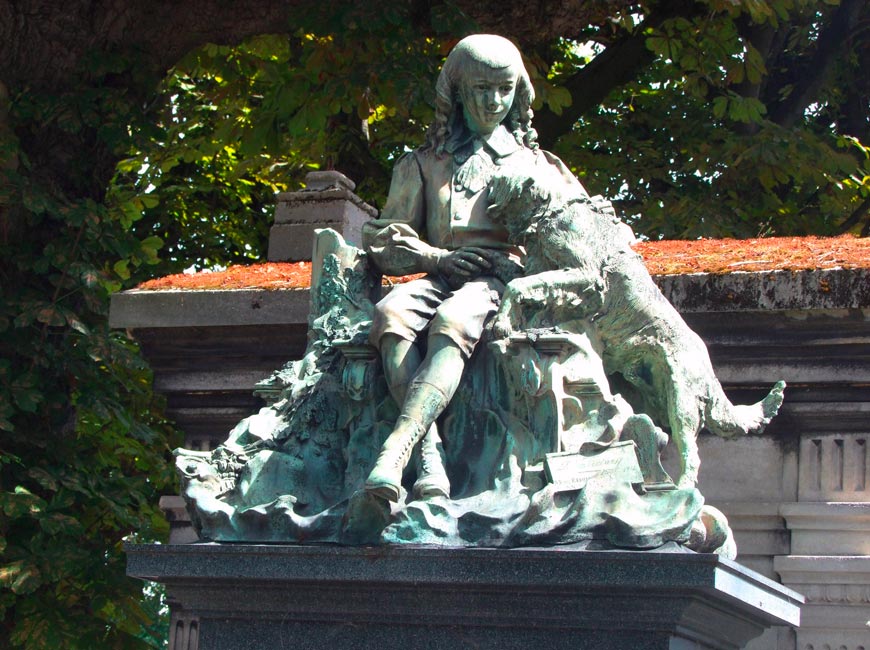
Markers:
429,304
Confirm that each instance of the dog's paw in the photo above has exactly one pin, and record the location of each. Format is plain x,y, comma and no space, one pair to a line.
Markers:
501,327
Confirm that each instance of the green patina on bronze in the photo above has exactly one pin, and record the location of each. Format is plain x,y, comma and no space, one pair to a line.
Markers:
486,404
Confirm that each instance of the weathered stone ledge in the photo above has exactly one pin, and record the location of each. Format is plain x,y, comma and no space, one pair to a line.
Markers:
834,289
138,309
769,290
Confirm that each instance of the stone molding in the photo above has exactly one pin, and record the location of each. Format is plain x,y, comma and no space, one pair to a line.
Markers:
210,308
183,631
837,589
810,571
840,594
759,531
837,529
834,467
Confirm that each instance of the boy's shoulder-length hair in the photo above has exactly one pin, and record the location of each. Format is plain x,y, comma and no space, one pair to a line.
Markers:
493,51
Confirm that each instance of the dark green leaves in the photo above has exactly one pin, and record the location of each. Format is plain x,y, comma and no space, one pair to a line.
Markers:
700,144
83,448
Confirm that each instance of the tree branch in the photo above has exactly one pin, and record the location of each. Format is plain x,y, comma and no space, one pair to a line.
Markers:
618,64
853,219
832,40
42,45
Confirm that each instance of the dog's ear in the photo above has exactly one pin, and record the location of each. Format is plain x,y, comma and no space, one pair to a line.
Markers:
504,188
495,193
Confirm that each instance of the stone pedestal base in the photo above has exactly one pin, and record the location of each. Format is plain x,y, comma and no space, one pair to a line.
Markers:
246,597
327,202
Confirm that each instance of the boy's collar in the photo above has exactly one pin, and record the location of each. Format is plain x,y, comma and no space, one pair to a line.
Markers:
500,142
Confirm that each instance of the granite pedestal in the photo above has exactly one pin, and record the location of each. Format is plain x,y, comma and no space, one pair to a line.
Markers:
247,597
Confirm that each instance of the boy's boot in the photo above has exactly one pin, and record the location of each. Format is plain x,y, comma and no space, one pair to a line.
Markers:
432,479
423,404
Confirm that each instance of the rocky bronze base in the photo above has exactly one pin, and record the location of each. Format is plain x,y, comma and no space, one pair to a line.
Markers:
246,597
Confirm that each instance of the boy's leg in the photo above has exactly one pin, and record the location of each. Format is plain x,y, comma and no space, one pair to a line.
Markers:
454,332
401,361
399,318
427,396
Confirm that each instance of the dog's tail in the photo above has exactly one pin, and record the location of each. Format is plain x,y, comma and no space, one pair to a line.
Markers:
730,421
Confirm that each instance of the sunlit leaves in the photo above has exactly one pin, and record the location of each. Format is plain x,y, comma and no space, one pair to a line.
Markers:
692,148
348,88
737,108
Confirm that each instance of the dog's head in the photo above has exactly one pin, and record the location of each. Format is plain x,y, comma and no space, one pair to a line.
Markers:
517,200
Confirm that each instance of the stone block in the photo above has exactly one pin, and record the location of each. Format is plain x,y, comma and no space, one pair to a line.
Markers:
446,598
327,202
828,528
293,242
837,590
767,470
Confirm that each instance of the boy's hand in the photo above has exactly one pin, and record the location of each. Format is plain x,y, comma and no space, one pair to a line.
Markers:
464,264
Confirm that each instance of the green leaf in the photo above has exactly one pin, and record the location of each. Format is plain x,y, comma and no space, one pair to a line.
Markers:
78,325
20,576
51,315
153,244
720,106
60,524
122,269
43,477
35,632
149,200
558,98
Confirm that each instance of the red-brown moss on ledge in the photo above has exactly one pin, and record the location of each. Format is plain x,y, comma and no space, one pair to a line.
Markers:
669,257
719,256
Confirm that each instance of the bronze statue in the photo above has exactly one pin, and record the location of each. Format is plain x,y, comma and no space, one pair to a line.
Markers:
435,221
549,432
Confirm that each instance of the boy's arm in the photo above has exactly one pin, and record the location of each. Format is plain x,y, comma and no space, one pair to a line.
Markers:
393,241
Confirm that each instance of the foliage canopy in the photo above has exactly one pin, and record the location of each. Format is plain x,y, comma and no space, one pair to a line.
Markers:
714,117
705,128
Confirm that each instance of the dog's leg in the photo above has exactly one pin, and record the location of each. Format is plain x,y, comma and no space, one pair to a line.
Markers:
522,297
684,415
509,316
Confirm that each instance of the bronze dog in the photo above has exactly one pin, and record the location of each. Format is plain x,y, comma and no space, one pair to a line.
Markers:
582,274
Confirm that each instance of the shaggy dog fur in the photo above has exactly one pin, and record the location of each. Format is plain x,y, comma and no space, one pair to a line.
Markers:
581,274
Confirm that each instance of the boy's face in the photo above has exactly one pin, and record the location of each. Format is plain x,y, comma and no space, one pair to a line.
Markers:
487,95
